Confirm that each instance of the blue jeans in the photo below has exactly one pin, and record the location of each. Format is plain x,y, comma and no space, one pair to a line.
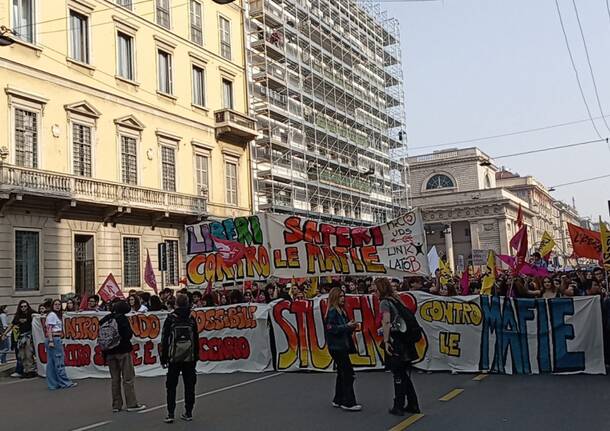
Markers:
56,370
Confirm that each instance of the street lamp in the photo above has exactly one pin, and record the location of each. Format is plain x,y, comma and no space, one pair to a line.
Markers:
5,38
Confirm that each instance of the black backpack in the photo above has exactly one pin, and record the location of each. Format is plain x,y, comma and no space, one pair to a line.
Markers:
414,330
181,341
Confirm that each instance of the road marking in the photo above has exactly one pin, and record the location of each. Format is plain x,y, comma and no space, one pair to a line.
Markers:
89,427
215,391
480,377
407,422
451,395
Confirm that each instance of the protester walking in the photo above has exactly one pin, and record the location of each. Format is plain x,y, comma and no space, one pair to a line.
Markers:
179,354
400,333
115,341
22,323
57,378
5,342
338,331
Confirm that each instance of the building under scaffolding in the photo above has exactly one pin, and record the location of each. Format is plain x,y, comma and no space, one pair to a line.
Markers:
326,89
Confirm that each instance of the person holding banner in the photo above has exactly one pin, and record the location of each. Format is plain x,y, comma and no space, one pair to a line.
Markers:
57,378
400,333
338,332
22,322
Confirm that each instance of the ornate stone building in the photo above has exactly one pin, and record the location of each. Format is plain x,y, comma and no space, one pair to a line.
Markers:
468,204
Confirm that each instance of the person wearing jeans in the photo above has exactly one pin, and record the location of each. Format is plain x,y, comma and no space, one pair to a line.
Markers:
339,332
5,342
119,361
57,378
180,320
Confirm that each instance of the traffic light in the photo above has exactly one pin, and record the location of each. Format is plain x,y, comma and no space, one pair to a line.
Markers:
162,253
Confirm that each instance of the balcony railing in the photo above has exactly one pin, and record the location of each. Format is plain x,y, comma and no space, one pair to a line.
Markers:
28,181
234,126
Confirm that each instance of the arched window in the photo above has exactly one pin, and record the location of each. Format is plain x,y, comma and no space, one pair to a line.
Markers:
487,181
439,181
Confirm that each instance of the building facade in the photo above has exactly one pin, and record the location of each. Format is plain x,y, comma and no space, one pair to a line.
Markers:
122,121
469,204
326,88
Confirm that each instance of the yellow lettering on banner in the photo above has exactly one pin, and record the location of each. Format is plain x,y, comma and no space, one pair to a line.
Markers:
449,343
451,312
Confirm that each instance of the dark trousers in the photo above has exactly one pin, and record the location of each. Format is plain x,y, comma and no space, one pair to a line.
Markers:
403,386
189,379
344,387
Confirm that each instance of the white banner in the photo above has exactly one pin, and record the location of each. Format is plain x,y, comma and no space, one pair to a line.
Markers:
467,334
272,245
231,338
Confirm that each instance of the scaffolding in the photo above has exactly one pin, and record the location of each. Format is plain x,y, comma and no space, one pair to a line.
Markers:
326,90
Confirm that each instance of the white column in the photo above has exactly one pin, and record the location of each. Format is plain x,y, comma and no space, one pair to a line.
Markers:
449,247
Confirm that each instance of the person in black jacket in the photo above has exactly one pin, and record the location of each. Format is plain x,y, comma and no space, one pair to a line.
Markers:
400,329
176,322
119,361
338,331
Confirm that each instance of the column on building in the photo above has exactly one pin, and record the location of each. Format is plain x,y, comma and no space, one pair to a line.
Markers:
449,246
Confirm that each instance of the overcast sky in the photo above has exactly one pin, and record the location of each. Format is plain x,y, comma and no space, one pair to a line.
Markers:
478,68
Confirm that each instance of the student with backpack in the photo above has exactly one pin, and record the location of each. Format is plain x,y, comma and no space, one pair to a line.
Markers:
400,333
114,339
179,354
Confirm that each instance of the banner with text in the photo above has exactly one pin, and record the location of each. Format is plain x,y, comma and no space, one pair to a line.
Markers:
283,246
231,338
469,334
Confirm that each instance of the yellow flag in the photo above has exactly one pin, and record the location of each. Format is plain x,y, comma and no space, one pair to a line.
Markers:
490,274
605,240
445,272
312,290
547,243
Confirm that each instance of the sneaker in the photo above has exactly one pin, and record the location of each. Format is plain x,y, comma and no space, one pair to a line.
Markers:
396,411
186,417
334,404
136,408
71,385
116,410
414,410
169,419
354,408
16,375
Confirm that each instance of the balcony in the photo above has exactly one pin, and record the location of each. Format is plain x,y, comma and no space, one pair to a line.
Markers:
234,127
94,199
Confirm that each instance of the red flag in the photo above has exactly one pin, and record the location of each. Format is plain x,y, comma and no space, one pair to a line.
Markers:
521,251
585,242
465,283
516,240
231,251
149,274
520,216
84,302
110,289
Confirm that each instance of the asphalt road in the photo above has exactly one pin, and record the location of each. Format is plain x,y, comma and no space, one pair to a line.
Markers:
301,401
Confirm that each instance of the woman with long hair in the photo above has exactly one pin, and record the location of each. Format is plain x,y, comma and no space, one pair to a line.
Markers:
22,323
338,331
136,304
400,328
70,306
549,288
57,378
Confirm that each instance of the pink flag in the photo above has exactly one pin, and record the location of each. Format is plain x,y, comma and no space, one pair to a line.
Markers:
465,283
149,274
526,268
231,251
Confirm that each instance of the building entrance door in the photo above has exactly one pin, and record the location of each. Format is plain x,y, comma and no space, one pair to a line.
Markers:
84,265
